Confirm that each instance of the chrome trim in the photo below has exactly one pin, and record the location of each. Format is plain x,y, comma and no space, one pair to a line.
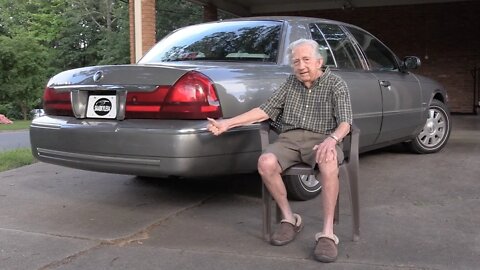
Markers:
200,128
79,103
106,87
60,155
121,104
46,126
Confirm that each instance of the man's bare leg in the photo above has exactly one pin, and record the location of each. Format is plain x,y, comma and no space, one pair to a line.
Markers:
270,171
330,188
326,247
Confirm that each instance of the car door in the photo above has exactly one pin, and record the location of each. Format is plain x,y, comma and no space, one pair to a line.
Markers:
340,55
401,92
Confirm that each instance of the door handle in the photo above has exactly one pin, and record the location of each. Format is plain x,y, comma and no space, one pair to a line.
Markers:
385,83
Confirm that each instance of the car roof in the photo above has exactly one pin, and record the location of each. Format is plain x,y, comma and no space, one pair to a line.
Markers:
284,19
289,19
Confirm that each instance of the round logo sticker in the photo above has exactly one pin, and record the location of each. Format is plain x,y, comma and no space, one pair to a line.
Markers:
102,106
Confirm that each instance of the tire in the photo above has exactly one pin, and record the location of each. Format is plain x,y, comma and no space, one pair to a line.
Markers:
302,187
435,133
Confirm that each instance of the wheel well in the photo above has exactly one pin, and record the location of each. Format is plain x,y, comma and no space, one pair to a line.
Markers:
439,97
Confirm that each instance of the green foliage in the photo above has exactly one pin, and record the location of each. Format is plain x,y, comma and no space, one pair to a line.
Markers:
7,108
41,38
96,32
173,14
29,29
114,48
24,71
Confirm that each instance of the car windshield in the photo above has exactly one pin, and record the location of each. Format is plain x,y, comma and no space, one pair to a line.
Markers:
221,41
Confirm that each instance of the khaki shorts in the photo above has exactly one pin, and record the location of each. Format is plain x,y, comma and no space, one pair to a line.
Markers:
296,146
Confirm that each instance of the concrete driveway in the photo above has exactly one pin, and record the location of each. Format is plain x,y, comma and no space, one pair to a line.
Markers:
417,212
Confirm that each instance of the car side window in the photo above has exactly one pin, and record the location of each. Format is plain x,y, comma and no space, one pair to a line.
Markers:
337,46
378,55
324,49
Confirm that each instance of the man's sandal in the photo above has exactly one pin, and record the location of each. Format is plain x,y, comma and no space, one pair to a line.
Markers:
287,231
326,249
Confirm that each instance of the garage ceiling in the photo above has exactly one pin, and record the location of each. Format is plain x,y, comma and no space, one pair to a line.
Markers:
254,7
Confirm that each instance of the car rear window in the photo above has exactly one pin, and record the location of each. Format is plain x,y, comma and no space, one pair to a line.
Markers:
220,41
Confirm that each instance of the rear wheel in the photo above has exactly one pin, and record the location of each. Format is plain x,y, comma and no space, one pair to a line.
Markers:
302,187
435,133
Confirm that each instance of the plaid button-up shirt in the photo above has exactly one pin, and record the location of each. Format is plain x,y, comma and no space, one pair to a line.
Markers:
319,109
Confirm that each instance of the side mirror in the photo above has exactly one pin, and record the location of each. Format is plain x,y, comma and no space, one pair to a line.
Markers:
411,62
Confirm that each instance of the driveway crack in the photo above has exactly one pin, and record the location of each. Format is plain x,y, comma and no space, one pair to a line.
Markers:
143,234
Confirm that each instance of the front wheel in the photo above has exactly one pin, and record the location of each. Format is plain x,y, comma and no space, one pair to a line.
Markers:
302,187
435,133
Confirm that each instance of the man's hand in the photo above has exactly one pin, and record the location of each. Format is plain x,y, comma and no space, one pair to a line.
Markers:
217,127
326,150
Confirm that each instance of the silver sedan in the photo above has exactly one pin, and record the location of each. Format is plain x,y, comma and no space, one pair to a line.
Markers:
149,118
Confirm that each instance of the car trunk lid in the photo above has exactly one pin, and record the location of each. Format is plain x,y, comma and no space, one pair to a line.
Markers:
132,91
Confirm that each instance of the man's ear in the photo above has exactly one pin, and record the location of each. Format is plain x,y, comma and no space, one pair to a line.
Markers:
320,62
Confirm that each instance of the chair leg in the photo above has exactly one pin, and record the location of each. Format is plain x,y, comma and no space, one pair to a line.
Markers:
267,213
352,185
355,203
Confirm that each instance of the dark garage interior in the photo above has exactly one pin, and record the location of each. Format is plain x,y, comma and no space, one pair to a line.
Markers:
445,34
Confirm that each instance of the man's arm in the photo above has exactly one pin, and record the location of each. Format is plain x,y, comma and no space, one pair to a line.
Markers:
253,116
340,132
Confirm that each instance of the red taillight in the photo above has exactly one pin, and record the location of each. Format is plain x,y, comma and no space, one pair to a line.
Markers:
191,97
57,103
145,104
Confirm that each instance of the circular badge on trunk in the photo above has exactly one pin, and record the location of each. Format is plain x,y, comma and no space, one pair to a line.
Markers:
98,76
102,106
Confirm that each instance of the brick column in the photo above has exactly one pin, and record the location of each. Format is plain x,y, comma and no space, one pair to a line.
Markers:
142,27
210,12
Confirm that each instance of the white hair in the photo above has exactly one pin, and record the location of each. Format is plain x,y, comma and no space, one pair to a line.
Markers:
303,41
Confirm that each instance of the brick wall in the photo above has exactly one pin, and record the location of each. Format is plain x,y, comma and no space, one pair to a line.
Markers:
445,36
148,23
148,27
210,12
132,31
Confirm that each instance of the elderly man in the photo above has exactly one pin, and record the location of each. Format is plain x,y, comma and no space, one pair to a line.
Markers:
316,115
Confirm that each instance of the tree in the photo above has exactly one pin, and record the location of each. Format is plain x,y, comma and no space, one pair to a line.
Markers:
96,32
40,38
115,46
23,63
173,14
24,53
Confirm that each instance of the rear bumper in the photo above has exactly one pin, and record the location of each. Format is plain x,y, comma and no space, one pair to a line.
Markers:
144,147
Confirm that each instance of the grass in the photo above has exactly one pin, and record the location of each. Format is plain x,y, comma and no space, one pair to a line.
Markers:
17,125
16,158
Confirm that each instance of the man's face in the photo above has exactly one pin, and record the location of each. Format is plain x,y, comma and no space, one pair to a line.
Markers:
305,65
